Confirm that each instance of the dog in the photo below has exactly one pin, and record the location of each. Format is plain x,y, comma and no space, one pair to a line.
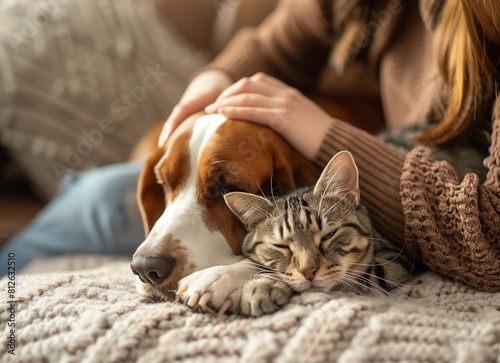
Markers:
193,241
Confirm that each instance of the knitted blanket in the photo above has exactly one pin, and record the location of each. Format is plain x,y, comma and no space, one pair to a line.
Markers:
96,316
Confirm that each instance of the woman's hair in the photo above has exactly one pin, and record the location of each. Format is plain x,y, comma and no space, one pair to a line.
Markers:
467,46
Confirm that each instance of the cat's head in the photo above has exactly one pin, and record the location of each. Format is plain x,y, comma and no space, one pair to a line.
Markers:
320,239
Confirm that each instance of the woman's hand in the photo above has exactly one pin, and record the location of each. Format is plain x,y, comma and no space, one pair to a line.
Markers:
270,102
202,90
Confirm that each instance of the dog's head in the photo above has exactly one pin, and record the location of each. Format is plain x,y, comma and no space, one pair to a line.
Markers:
187,223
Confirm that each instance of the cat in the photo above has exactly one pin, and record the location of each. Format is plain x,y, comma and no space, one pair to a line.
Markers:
318,238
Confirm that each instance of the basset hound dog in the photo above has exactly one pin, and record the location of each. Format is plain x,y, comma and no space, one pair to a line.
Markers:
193,240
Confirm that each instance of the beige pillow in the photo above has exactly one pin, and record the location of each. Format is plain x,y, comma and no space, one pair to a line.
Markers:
81,81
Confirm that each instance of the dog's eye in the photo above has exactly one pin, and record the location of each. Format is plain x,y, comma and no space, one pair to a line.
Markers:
222,186
228,188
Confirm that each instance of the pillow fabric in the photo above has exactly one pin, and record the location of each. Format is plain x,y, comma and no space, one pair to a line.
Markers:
82,80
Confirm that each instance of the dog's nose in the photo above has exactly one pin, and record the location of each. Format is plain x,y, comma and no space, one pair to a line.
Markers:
152,270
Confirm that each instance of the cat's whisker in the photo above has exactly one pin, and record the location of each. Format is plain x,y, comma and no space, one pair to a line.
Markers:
268,275
361,289
389,282
263,270
377,239
349,284
373,288
392,260
335,205
261,191
258,266
253,264
262,210
271,187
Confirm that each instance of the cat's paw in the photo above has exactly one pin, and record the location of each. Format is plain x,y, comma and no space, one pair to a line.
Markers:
263,295
216,289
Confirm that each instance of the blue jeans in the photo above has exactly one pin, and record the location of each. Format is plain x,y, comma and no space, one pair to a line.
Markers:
95,212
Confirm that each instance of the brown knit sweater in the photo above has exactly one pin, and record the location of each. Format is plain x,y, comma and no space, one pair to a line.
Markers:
452,225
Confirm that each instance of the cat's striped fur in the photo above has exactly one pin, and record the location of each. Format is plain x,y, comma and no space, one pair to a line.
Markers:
320,238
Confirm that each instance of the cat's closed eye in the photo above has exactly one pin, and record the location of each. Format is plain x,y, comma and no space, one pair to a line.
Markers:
281,246
329,235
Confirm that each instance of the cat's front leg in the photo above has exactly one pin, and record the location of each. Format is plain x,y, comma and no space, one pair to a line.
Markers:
263,295
217,288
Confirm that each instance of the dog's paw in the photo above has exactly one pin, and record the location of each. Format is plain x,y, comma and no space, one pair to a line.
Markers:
216,289
263,295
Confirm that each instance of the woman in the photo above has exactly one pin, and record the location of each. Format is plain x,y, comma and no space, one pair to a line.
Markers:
436,62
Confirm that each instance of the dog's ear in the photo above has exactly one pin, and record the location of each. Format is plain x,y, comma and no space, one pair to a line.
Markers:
150,194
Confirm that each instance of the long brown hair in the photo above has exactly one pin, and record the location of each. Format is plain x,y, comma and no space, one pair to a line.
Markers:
467,46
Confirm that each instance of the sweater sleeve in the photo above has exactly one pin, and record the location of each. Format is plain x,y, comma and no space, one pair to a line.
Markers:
380,169
453,225
292,44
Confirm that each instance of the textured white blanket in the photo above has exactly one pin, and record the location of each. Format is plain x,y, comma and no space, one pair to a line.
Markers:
97,316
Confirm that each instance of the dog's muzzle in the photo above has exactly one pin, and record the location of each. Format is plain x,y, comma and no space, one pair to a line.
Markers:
152,270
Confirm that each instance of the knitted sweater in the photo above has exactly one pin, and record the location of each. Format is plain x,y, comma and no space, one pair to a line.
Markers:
451,225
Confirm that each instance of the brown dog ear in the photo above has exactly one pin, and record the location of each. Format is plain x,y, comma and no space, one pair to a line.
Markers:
292,170
150,194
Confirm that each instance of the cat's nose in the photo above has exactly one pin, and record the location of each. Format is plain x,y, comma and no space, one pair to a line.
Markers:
309,273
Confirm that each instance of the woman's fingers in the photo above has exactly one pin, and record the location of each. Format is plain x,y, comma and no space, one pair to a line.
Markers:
249,85
264,78
244,100
260,90
264,116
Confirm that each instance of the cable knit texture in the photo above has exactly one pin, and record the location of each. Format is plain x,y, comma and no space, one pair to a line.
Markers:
453,225
97,316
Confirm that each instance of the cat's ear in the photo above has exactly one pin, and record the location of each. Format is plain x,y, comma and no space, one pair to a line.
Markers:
249,208
340,176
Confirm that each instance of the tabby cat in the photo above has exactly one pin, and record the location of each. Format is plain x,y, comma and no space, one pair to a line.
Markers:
320,238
